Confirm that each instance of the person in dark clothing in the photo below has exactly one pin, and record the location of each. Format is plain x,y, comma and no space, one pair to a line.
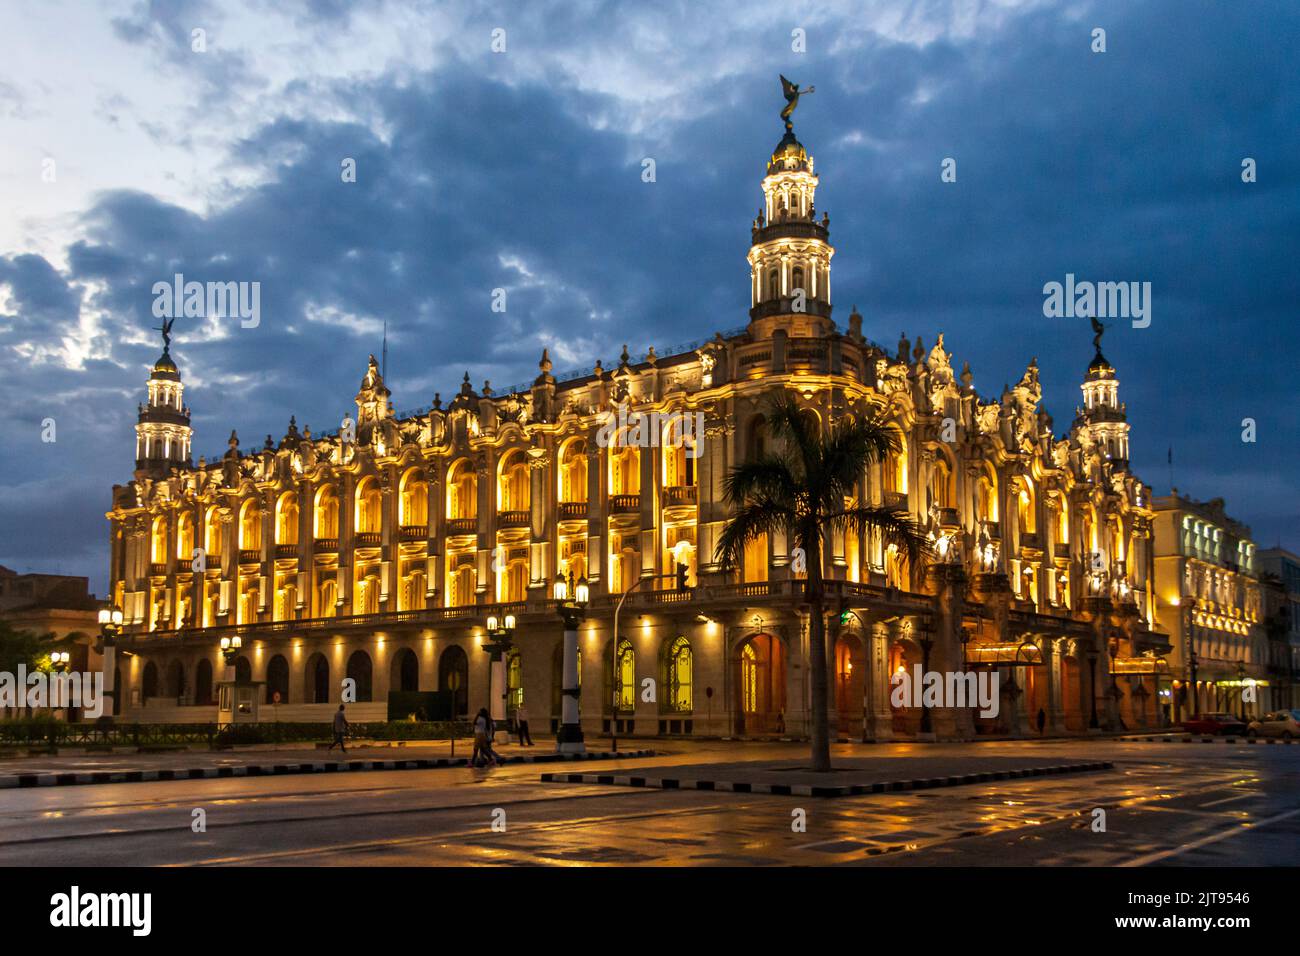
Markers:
521,724
340,728
1042,719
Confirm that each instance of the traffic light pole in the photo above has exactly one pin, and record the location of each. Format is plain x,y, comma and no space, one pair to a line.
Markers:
680,577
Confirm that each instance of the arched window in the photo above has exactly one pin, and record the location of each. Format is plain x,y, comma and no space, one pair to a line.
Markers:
203,683
774,284
277,680
368,507
573,472
367,598
250,525
797,280
158,549
175,680
1026,508
316,683
462,491
453,676
360,671
286,518
185,536
624,695
894,468
941,484
754,564
513,482
462,581
679,673
624,468
678,455
514,583
986,498
149,684
413,504
326,520
212,532
243,671
327,593
405,676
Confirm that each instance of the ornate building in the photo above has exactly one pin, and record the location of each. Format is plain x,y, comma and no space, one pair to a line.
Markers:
379,552
1208,594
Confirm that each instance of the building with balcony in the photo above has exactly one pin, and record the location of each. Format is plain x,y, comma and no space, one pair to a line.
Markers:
379,550
1208,599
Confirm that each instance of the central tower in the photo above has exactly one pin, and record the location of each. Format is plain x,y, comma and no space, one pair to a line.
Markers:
790,254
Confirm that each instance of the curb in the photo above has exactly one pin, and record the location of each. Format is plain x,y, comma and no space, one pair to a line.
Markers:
27,780
1269,741
808,790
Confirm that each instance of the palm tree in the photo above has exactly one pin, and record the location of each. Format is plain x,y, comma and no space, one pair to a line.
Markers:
804,490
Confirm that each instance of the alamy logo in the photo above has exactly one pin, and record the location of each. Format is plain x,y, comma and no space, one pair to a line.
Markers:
1101,300
651,429
219,300
40,690
72,909
946,689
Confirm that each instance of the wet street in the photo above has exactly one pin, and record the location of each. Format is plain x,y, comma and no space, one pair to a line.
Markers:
1164,804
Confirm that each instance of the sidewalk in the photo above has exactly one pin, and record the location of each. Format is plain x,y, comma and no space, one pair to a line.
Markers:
100,768
850,776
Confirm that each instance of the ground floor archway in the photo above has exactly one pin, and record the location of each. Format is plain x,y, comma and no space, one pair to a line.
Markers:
759,673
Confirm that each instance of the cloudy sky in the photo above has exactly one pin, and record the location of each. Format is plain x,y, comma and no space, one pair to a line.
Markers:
126,155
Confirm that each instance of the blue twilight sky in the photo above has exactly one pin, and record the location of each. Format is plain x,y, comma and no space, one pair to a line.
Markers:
522,170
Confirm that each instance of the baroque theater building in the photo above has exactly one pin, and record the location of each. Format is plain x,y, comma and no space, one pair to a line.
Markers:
379,552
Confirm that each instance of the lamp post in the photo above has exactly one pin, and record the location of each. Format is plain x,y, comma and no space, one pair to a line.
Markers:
1192,688
501,633
926,643
571,604
230,647
110,625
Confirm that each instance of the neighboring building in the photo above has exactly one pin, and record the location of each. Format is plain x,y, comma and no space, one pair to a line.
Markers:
1208,598
381,558
1280,574
57,605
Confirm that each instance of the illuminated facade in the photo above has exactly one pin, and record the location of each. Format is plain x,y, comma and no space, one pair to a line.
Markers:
381,558
1209,599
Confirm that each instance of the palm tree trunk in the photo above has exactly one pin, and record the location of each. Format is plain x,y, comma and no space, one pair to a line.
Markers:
821,739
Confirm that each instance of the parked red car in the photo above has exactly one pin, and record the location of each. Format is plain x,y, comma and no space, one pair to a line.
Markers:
1208,724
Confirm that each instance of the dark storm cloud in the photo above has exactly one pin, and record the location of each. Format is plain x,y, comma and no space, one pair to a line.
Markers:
1116,166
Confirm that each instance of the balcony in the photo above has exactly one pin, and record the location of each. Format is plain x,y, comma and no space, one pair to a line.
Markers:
948,519
414,532
512,519
368,539
1062,549
158,568
680,495
622,504
896,500
1031,539
326,545
573,510
286,551
462,525
250,556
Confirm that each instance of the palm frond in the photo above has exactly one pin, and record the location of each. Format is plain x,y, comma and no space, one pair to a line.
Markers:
756,518
896,527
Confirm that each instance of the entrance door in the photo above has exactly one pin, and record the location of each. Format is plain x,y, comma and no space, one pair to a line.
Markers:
760,680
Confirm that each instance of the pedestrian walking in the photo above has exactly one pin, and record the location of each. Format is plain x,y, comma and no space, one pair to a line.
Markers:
521,725
493,757
1042,720
340,728
481,721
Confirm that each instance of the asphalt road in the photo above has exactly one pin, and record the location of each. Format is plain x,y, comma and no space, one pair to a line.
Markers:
1165,804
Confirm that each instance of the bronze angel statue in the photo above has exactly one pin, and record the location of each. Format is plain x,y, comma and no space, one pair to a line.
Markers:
792,94
1097,330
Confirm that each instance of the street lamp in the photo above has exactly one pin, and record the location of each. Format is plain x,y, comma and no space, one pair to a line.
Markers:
1241,686
571,604
59,661
110,625
501,633
230,647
